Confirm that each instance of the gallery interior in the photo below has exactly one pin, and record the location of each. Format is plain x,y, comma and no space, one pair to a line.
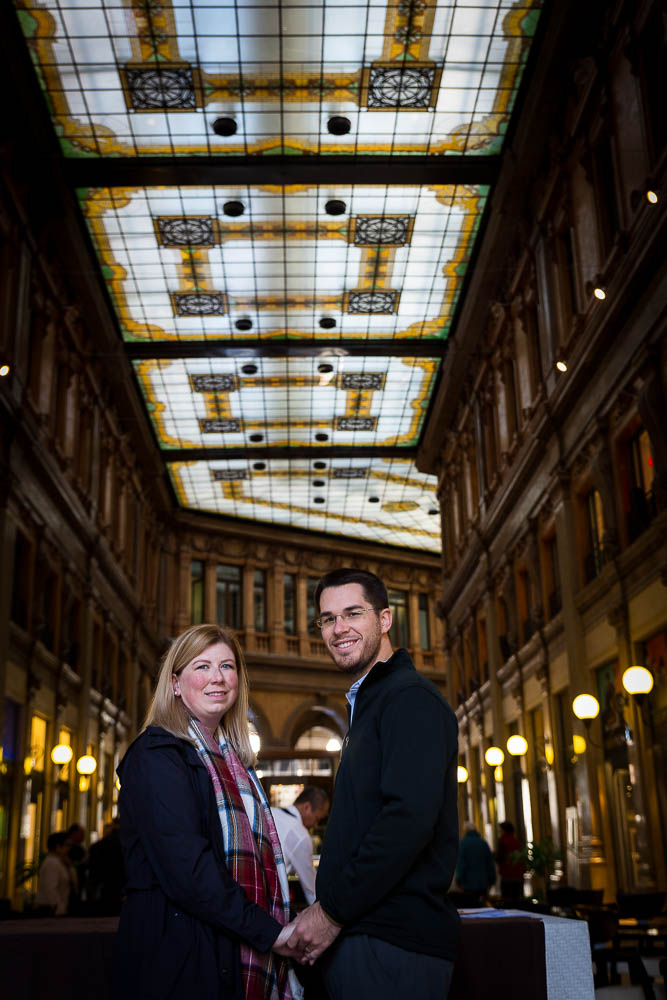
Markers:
288,287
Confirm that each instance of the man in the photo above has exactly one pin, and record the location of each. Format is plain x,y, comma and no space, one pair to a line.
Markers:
391,842
510,868
293,824
53,883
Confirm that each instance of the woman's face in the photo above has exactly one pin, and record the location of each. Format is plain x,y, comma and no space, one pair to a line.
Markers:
209,684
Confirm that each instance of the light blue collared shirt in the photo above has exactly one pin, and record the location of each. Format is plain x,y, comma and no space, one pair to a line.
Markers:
354,690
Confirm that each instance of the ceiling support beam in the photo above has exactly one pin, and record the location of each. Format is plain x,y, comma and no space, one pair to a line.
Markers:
254,454
331,171
406,347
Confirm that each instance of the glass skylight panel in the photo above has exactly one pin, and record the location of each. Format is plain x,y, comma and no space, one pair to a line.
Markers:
137,79
206,402
380,500
179,266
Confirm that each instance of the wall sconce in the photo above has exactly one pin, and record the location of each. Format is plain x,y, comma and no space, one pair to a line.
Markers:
561,365
86,765
578,744
255,742
517,746
62,754
586,707
494,756
498,773
637,680
549,754
333,745
596,289
461,775
4,370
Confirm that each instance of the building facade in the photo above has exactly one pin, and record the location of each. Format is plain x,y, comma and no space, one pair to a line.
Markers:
552,458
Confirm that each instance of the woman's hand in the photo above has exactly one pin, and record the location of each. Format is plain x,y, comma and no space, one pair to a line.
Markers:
281,944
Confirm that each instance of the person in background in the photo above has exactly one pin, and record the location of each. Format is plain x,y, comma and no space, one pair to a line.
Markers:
475,868
510,870
53,885
293,823
78,860
207,899
106,873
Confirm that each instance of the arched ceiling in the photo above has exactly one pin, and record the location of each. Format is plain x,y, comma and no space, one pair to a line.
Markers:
284,199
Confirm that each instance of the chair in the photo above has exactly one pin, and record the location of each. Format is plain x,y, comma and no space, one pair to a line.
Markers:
641,905
606,950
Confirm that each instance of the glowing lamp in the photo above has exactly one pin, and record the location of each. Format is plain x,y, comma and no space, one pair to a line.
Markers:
62,754
652,197
333,744
599,293
578,744
86,765
498,773
255,742
84,783
461,775
586,707
517,746
4,370
494,756
637,680
561,366
549,754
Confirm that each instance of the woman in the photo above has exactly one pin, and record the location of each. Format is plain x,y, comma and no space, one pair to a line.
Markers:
207,893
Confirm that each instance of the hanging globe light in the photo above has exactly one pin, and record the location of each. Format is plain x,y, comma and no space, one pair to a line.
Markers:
517,746
461,775
586,707
637,680
494,756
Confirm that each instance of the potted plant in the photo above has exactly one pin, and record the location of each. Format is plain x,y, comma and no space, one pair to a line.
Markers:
538,858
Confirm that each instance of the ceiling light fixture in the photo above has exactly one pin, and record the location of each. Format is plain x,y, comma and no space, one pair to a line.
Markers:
319,465
233,208
224,126
327,322
461,775
244,324
561,365
517,746
321,437
599,293
4,370
259,466
652,196
255,438
494,756
637,680
249,369
335,207
373,499
323,369
339,125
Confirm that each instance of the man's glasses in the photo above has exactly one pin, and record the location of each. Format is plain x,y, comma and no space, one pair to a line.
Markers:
350,617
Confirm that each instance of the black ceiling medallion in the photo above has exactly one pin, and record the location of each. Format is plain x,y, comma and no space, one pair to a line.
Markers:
249,369
319,499
319,465
259,466
158,88
255,438
339,125
233,208
335,207
321,437
373,499
327,322
224,126
325,369
243,324
319,482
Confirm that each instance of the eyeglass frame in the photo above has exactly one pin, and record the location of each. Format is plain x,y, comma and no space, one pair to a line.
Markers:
345,615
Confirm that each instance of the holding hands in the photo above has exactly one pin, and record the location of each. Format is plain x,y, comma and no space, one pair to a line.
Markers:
307,937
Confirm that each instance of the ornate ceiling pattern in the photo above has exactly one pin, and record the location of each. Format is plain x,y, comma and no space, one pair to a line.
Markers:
284,200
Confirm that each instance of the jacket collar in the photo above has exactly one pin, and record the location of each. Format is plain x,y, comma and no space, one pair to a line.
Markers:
399,660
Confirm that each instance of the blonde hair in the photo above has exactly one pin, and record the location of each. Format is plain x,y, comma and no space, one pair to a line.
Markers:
169,712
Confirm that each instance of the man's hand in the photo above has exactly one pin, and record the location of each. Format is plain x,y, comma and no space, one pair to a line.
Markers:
313,933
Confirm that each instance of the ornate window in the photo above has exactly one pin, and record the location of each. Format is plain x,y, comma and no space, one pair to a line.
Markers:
160,87
382,230
196,592
372,302
400,629
259,599
186,232
213,383
228,595
408,85
198,303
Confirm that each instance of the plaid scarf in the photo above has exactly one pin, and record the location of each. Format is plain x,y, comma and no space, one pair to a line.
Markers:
254,860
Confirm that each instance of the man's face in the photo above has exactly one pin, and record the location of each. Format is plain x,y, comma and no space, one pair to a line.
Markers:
354,645
311,817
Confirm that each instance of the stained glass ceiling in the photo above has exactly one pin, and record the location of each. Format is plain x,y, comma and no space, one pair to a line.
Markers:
286,321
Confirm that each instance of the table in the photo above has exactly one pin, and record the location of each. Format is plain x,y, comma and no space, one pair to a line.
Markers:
566,950
504,955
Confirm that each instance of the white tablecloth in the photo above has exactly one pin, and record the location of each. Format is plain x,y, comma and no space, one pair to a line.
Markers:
568,954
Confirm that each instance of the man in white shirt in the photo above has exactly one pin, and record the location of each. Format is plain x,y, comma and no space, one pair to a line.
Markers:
293,824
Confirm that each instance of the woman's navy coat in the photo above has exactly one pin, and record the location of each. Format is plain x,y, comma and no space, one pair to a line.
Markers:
184,916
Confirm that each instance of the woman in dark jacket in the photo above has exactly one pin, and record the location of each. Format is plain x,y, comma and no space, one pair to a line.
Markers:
207,898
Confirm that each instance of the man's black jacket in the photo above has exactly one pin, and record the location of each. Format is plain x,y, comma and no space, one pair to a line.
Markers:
391,842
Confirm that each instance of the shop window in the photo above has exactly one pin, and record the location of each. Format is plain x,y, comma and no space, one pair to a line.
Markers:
196,592
228,596
641,500
595,559
400,630
424,627
259,599
312,612
289,603
8,752
33,803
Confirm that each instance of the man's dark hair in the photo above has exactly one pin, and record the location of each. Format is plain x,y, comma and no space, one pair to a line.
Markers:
507,826
317,797
56,840
374,589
